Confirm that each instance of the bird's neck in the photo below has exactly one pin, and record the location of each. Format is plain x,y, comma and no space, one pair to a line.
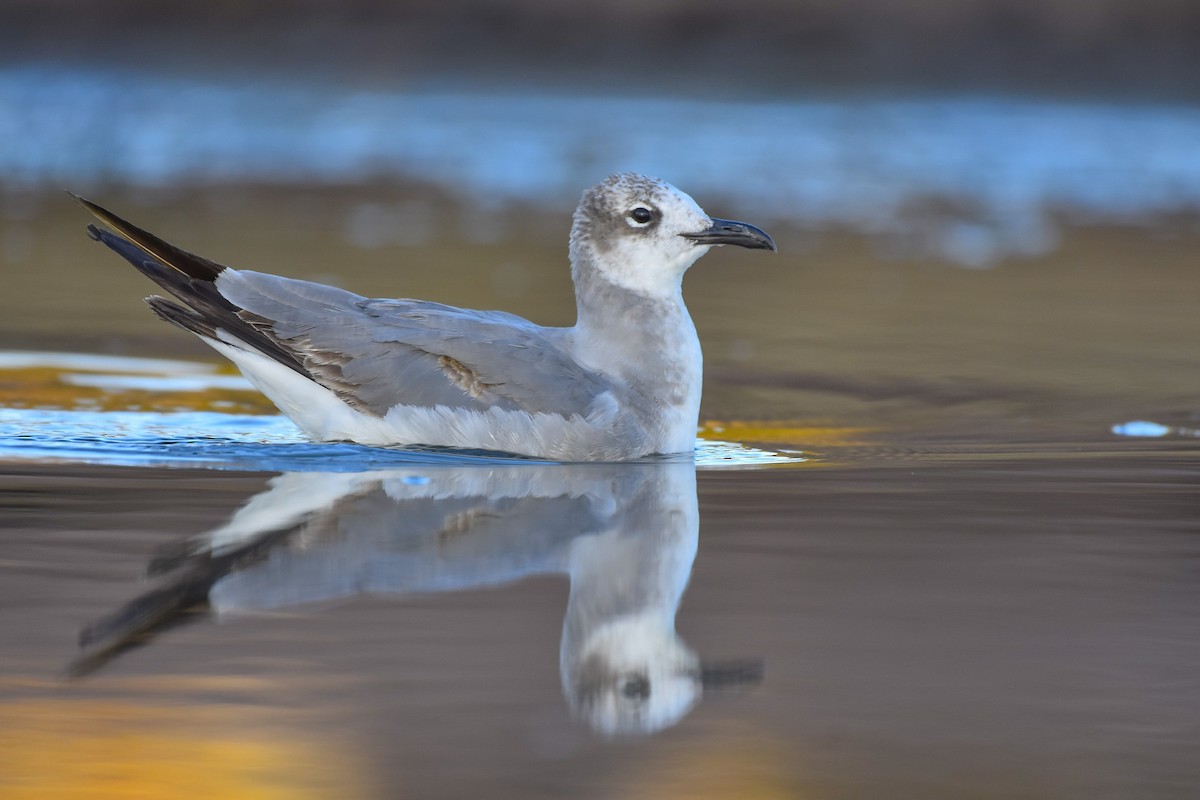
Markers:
648,345
639,337
635,571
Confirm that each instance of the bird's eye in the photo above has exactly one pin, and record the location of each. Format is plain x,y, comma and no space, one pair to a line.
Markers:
641,215
636,687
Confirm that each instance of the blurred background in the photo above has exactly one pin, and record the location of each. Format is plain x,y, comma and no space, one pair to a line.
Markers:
437,150
988,214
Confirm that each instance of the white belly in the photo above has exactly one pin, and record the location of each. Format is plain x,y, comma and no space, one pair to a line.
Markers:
602,433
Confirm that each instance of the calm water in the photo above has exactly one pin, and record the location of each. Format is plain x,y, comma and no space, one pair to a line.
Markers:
846,613
940,539
952,624
915,559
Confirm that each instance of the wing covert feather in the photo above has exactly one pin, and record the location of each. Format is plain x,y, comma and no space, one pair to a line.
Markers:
376,353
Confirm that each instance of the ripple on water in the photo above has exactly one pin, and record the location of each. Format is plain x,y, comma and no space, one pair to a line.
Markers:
84,423
214,440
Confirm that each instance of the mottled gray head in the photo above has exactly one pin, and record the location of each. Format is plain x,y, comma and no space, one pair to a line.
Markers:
643,233
632,676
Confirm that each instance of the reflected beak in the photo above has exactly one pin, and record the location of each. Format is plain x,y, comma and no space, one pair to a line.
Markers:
732,674
726,231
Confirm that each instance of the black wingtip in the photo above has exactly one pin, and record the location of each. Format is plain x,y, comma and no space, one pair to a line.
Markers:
91,207
92,231
191,265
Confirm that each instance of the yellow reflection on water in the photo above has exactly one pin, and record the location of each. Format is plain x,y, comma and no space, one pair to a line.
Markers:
75,381
781,432
50,386
100,749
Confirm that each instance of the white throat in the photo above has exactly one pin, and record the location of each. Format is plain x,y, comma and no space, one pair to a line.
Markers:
655,272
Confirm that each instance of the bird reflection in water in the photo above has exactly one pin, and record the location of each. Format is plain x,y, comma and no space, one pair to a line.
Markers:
625,534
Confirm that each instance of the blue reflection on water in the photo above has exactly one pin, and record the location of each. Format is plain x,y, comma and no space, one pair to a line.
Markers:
976,178
213,440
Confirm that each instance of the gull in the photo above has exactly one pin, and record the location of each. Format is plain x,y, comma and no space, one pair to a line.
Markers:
625,536
622,383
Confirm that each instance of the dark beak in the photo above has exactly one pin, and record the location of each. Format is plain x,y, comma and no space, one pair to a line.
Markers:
726,231
732,674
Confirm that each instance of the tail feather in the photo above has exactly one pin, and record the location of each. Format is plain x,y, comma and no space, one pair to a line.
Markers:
181,317
202,309
193,266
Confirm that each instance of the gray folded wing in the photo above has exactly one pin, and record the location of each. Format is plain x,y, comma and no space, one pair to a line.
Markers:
377,353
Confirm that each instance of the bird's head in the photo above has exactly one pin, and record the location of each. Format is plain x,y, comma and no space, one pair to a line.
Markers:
642,233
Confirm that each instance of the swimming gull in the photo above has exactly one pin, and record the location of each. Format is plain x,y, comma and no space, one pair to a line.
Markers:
624,382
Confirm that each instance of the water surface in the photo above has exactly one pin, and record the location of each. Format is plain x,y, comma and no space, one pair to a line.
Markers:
955,624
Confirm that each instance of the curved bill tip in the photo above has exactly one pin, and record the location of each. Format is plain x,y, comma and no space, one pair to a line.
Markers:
728,231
